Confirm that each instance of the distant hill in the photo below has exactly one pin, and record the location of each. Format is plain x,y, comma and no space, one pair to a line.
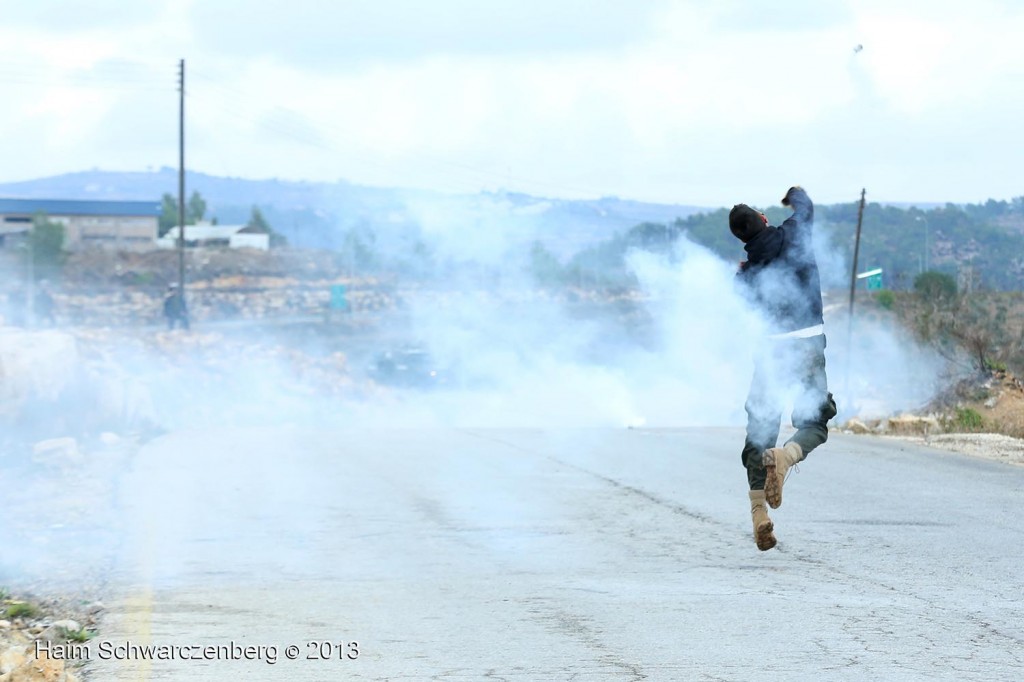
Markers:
313,214
981,244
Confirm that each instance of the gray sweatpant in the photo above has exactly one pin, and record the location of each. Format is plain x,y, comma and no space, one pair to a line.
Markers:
786,370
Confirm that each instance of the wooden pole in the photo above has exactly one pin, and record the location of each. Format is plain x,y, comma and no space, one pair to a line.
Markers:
853,289
181,180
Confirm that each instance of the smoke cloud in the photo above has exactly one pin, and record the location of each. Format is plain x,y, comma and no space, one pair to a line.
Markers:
675,349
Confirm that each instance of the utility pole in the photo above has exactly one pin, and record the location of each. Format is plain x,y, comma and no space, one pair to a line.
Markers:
856,254
853,287
181,180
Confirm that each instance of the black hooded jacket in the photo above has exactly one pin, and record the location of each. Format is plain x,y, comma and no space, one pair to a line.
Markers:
780,275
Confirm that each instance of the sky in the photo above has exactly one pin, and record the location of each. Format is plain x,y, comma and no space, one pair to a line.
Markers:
698,103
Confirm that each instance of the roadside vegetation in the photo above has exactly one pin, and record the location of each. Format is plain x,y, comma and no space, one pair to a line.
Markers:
980,333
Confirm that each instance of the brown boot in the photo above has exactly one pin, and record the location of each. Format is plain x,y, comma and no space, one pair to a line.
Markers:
763,526
777,462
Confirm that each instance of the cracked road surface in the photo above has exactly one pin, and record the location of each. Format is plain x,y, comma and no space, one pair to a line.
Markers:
564,555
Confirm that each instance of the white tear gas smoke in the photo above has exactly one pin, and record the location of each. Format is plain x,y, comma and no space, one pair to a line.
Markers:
876,367
521,356
674,350
526,358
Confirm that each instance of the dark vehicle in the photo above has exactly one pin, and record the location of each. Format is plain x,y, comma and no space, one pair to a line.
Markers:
407,367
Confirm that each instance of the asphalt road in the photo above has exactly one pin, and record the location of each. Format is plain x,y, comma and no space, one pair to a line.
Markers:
560,555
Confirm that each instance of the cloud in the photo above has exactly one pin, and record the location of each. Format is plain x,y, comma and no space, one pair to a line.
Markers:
324,37
794,15
75,16
678,102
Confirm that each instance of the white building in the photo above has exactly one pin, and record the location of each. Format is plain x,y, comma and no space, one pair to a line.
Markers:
204,234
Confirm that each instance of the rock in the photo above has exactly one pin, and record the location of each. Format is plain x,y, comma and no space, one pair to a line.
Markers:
857,426
94,608
5,624
18,637
68,624
59,631
911,425
39,670
11,658
51,634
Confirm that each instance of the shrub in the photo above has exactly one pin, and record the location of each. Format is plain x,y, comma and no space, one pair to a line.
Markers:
935,286
79,636
47,244
885,298
968,419
21,610
995,366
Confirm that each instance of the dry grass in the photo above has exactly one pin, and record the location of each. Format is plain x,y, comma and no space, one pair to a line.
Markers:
1004,411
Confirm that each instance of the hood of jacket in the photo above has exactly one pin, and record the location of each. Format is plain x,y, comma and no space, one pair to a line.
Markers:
765,247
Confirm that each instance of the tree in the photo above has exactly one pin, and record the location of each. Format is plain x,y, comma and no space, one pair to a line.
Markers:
544,265
653,237
971,322
980,325
168,214
711,230
935,286
257,223
196,208
46,245
358,250
600,265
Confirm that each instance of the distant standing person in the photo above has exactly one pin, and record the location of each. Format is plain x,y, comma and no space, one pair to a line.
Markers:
43,307
174,308
780,278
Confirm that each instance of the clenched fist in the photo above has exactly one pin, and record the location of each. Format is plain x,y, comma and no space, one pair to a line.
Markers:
796,188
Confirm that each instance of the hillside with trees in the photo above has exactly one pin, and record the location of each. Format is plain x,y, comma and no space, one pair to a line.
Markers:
979,245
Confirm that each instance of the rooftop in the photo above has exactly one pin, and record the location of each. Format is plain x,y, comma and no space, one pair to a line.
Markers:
79,207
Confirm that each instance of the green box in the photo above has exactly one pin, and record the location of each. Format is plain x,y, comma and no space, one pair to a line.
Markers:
339,297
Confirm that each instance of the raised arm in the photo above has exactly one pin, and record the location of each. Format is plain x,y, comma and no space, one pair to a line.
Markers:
799,224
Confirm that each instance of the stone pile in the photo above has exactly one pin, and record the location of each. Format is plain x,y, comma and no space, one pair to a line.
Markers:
145,307
21,636
901,425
